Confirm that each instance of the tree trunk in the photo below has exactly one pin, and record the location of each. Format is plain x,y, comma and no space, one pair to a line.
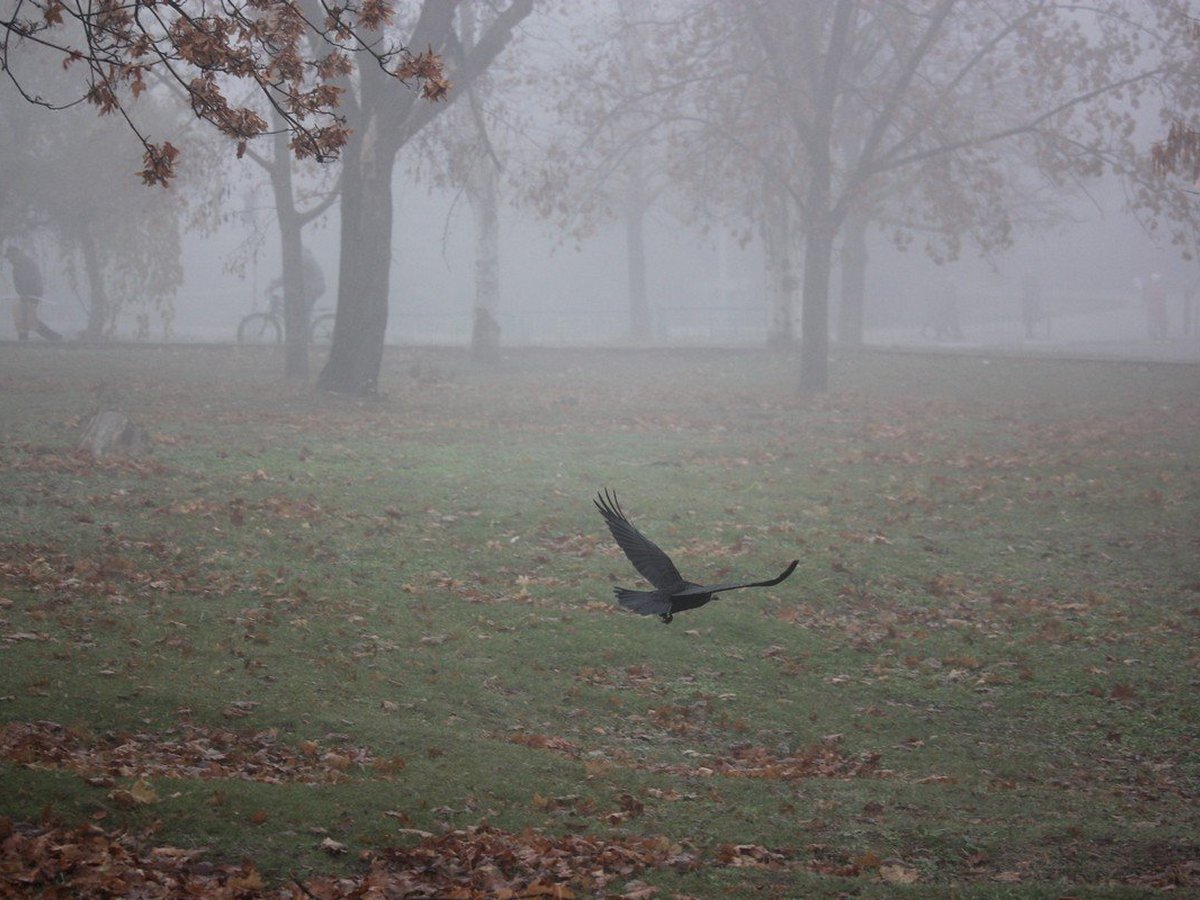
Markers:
291,256
111,433
780,261
635,246
99,311
295,306
483,194
814,313
635,210
821,222
356,354
854,282
821,227
383,119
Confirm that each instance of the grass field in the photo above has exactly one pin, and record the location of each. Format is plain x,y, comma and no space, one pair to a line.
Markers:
313,644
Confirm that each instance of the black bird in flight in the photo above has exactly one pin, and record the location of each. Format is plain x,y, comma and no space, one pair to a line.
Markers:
672,593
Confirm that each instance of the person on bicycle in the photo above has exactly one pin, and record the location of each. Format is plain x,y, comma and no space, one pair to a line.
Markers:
312,284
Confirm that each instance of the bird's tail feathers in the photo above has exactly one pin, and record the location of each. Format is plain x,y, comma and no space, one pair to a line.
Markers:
647,603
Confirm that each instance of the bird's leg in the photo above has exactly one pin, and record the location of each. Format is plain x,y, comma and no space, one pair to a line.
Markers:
666,618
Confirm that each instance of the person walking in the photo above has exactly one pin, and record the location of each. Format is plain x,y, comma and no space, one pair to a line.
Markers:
1154,295
27,281
1031,305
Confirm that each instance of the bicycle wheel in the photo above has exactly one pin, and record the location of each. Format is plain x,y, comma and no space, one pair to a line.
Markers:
321,330
259,328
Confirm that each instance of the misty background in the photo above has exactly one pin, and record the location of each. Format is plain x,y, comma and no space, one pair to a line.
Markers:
706,277
707,288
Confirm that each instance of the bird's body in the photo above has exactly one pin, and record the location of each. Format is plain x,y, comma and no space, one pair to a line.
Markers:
672,592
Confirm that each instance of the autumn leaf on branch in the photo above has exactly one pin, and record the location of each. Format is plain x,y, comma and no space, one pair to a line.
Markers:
1180,152
425,68
205,52
160,163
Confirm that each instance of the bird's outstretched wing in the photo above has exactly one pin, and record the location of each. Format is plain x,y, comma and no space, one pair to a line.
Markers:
734,585
647,557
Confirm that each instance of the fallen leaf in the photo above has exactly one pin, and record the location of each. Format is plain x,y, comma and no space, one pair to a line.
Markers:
142,792
899,873
332,847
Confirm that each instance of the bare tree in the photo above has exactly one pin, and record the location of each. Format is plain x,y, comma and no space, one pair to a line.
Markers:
382,122
942,97
606,158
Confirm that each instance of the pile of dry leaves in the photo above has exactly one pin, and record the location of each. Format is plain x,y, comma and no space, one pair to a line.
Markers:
187,751
481,862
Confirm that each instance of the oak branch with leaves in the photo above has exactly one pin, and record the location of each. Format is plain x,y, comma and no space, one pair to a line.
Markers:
289,53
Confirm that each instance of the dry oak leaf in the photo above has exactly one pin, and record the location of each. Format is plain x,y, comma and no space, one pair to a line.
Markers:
896,872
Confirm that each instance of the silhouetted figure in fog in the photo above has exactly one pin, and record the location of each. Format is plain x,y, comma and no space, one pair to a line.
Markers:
1032,310
485,336
312,285
943,313
1189,309
671,592
1154,296
27,281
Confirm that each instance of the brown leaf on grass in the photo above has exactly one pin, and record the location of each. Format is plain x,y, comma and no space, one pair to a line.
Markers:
140,793
388,765
834,868
545,742
143,793
748,856
26,636
1123,692
332,847
895,872
638,890
548,889
822,760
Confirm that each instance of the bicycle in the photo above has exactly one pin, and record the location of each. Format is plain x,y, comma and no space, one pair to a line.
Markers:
267,327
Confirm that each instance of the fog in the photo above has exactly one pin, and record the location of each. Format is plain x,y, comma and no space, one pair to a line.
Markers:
707,289
879,318
706,274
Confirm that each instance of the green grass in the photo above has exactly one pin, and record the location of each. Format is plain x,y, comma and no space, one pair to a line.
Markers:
998,600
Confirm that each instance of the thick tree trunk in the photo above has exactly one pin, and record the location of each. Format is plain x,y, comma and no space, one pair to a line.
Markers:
854,282
483,194
814,314
821,223
820,229
99,311
356,354
780,261
384,118
635,246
